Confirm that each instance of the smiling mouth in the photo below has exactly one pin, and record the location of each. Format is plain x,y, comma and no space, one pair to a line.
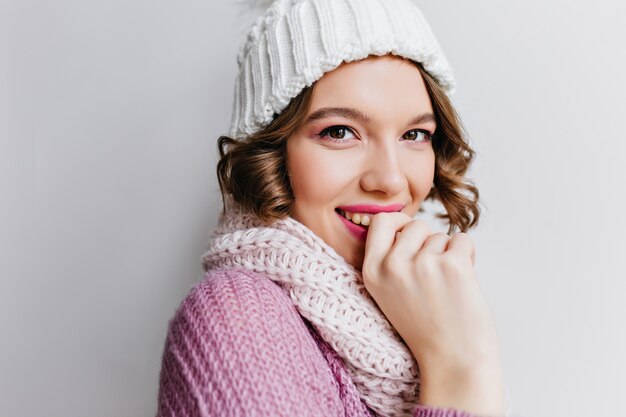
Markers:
360,219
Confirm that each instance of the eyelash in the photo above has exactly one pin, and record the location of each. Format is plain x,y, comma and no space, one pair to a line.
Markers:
323,135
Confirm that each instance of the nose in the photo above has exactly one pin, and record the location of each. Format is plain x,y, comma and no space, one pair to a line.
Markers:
383,170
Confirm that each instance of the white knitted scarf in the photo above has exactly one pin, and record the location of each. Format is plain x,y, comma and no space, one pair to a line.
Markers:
330,293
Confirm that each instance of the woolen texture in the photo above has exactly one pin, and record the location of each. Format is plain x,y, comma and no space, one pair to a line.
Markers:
295,42
329,292
236,346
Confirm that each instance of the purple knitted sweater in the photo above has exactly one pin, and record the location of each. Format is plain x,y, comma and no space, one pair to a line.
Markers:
237,346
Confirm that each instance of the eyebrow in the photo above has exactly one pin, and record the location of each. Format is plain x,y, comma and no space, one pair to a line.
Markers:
352,113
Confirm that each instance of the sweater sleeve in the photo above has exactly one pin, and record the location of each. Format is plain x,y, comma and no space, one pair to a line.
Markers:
236,347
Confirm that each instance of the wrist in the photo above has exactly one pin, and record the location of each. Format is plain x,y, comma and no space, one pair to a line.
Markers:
477,389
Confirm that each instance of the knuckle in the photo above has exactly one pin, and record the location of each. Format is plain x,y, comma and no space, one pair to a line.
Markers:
420,224
390,262
394,272
463,236
426,265
453,265
438,235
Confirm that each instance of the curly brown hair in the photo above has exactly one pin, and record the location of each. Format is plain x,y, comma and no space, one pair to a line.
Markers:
252,171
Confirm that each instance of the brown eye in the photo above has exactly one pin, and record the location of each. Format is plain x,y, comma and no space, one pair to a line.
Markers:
337,133
416,135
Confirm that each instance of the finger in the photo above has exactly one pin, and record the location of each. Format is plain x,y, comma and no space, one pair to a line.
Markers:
462,244
381,234
436,243
409,240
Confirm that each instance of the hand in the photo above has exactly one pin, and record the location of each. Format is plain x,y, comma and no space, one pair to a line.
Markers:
426,286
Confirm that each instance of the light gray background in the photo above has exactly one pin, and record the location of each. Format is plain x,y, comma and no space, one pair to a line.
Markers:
109,114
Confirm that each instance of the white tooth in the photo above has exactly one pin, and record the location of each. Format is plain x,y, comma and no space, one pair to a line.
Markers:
348,215
356,218
365,220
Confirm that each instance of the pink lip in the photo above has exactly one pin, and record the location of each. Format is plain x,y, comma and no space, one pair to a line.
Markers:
372,208
358,231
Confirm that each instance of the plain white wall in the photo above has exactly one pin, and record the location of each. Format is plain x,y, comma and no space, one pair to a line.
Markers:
109,115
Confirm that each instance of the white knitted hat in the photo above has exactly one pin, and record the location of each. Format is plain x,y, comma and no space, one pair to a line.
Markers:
296,41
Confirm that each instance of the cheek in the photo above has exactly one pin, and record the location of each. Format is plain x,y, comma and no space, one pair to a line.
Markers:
317,176
421,173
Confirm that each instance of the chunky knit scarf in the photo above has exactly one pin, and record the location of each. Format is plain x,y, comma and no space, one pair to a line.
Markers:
330,293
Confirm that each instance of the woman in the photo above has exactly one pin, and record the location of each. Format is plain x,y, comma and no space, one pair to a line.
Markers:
322,294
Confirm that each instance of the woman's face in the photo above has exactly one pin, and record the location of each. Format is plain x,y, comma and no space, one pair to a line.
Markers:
365,141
